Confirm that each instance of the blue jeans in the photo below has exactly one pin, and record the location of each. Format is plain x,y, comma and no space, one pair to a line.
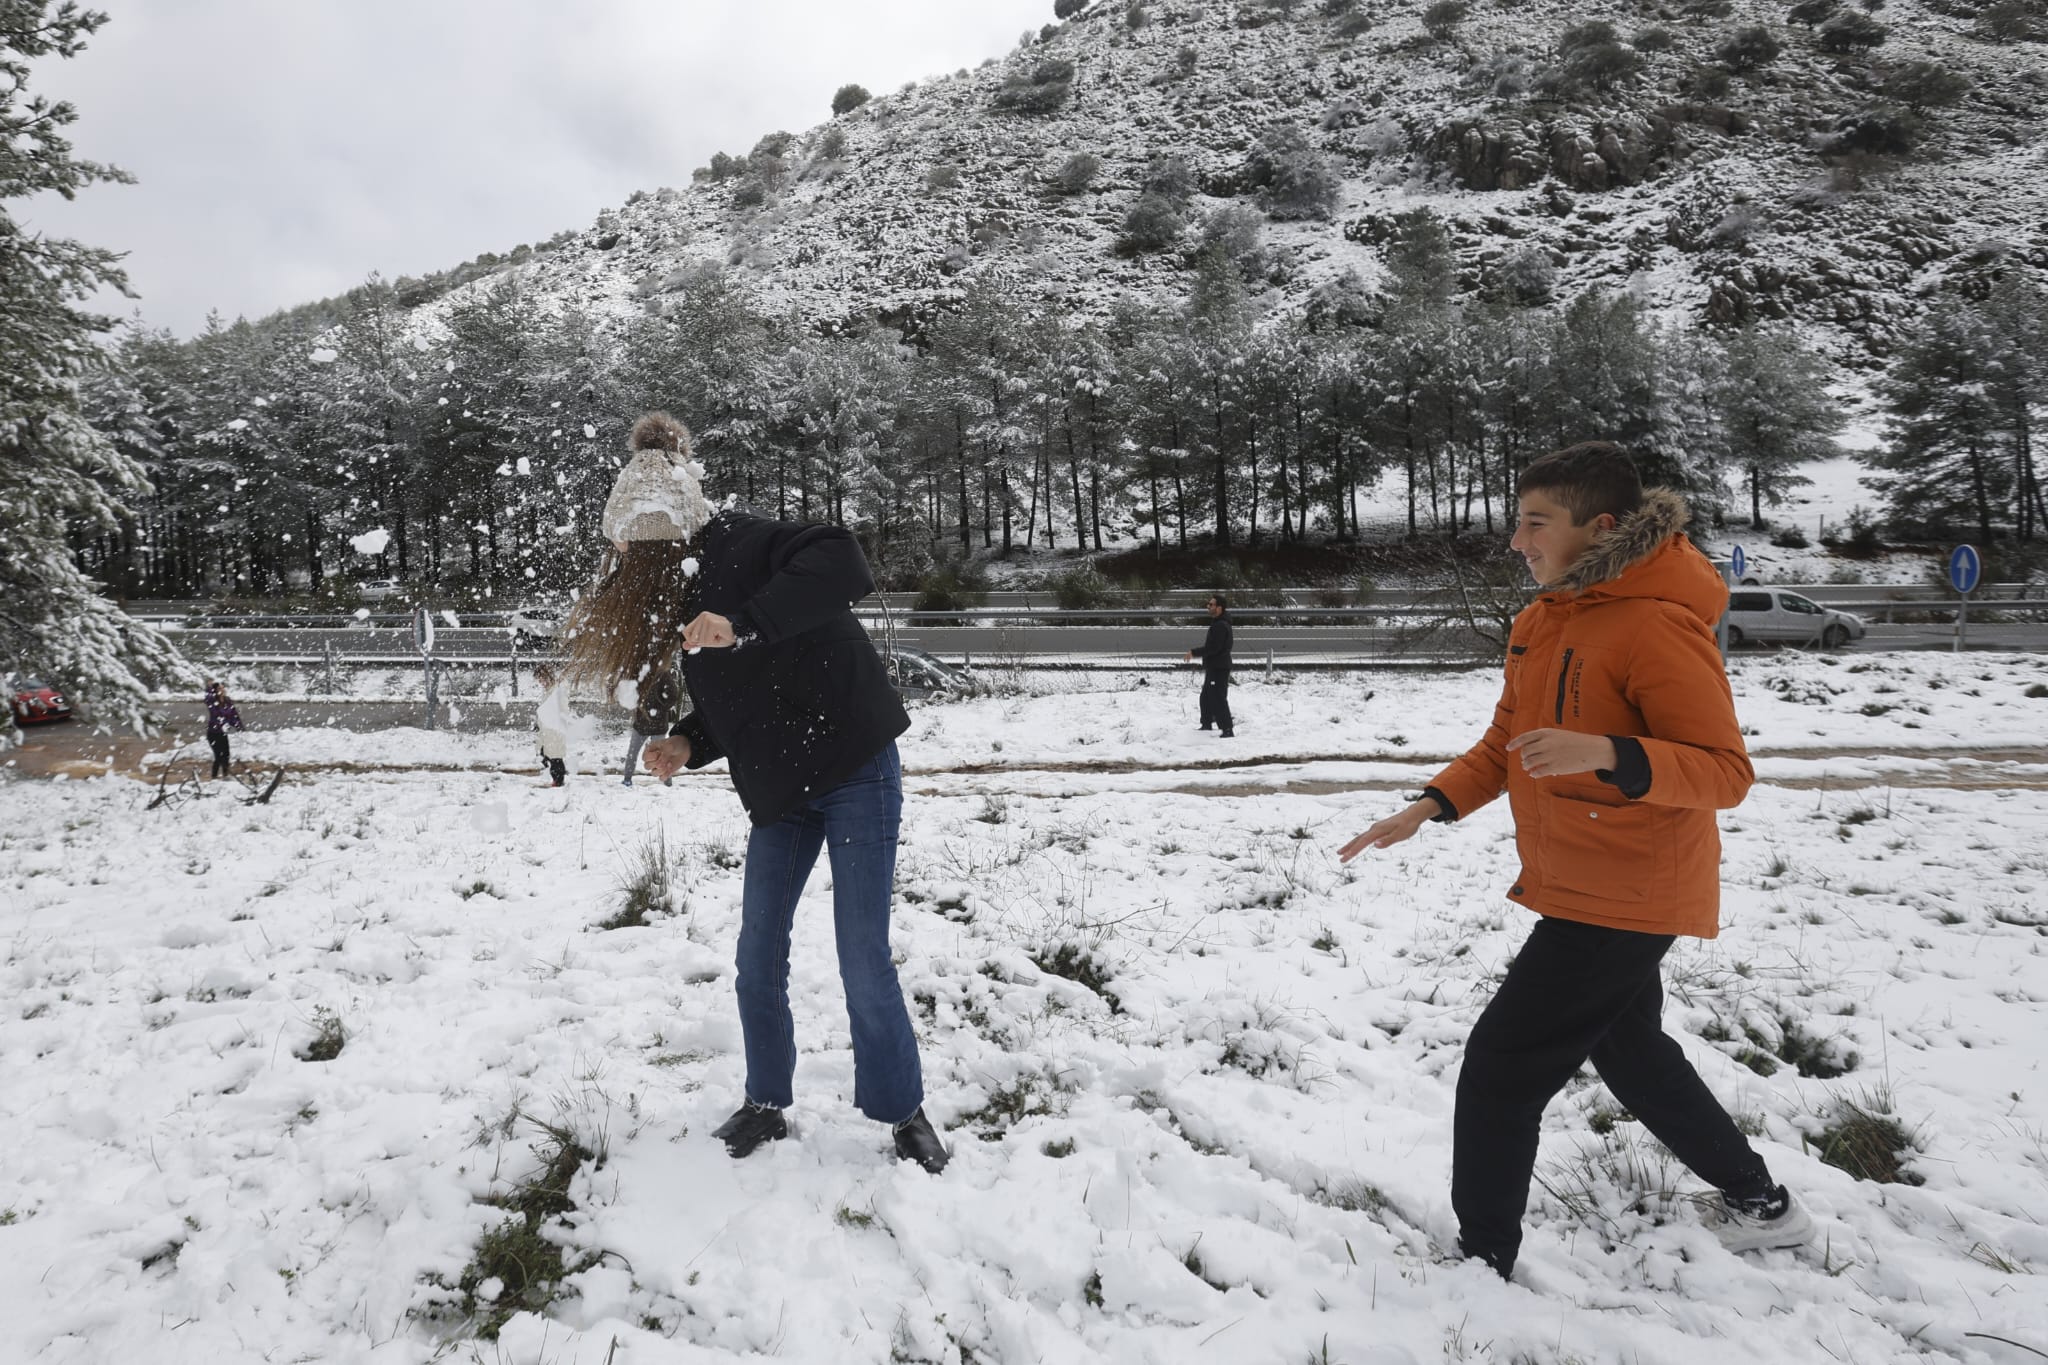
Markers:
857,823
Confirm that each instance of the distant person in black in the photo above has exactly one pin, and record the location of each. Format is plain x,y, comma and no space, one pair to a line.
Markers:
1214,652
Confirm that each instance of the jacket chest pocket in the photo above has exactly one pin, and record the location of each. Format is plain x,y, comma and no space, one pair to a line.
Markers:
1583,691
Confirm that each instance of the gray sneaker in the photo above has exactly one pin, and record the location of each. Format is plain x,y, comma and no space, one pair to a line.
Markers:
1775,1222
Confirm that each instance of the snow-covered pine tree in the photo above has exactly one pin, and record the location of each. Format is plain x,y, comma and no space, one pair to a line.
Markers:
1945,445
1775,412
58,476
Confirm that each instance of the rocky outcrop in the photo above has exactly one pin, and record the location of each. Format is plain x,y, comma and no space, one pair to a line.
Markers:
1517,154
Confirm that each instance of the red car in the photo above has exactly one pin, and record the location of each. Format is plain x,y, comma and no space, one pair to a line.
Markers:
33,702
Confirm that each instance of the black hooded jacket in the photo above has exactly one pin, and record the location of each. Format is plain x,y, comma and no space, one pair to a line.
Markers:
803,700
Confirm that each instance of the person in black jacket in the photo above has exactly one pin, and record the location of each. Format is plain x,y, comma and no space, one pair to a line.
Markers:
788,689
1214,652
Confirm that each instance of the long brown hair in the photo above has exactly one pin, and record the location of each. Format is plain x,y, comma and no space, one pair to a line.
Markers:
629,623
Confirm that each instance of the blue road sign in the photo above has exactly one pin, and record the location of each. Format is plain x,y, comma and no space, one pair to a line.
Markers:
1964,568
1737,563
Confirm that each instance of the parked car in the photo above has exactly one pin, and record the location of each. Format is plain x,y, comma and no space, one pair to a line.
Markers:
377,589
1775,614
33,702
917,674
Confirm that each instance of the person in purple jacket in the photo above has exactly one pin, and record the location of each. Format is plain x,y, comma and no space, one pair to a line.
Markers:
221,717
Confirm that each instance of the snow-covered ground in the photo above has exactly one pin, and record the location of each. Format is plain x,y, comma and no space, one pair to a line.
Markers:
1215,1128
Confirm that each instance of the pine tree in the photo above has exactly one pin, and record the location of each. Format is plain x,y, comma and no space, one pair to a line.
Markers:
2017,315
59,477
1775,412
1941,450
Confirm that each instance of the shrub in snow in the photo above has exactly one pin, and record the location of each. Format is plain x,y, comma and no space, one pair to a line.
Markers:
1442,18
944,176
1043,90
1077,173
1879,130
1293,177
1925,85
1236,231
1067,9
722,168
2014,21
849,98
1137,16
1504,74
1652,40
1186,59
832,145
1812,13
1709,82
1526,276
1601,66
1852,31
1153,224
1592,33
1169,177
1747,49
749,193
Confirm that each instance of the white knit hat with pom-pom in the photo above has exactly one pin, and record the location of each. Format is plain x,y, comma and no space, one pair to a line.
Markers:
659,495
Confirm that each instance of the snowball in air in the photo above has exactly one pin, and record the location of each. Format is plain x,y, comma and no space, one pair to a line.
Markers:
690,567
525,466
325,355
627,693
589,432
371,542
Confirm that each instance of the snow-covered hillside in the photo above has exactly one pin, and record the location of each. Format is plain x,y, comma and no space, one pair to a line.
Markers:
1712,202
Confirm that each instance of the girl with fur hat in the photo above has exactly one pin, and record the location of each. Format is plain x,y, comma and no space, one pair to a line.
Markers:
756,616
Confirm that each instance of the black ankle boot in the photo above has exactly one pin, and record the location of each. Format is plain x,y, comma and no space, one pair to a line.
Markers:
917,1141
750,1126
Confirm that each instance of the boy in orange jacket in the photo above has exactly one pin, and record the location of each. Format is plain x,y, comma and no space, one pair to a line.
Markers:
1616,741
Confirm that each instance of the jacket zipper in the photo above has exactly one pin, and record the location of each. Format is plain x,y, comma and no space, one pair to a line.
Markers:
1564,674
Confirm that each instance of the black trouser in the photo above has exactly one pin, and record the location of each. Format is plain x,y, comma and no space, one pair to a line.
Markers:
558,768
1216,702
1577,992
218,739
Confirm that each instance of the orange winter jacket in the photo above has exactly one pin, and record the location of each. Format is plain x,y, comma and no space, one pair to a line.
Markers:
1622,646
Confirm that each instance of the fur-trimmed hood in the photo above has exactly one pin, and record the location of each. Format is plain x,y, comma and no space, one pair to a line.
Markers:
1645,555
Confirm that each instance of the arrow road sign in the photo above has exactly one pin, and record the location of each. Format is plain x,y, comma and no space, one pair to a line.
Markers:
1964,568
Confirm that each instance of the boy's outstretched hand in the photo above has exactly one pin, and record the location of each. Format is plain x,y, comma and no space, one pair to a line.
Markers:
1393,829
1560,753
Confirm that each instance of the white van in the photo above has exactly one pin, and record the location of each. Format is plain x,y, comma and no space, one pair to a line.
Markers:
1775,614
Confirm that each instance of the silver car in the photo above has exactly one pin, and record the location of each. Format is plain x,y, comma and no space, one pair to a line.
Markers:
1775,614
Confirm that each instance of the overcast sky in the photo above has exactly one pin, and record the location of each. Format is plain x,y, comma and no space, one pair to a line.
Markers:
285,149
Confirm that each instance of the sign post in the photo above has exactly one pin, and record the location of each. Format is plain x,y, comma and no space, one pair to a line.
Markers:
423,640
1738,562
1965,568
